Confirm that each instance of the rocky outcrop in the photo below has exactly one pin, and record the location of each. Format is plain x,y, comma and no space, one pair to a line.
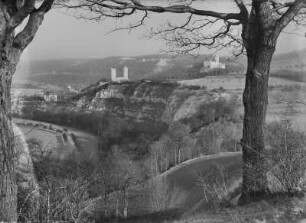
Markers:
146,100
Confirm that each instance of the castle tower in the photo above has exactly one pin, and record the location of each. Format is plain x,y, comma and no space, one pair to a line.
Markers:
217,59
126,73
113,74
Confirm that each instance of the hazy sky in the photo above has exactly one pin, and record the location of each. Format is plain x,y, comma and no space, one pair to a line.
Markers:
63,36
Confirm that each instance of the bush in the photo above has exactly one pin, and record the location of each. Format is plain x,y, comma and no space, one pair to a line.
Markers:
288,157
217,186
162,197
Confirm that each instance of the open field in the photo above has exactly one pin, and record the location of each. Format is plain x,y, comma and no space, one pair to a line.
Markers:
286,98
229,82
53,138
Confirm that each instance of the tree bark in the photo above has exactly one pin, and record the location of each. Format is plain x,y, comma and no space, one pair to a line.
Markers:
260,37
126,203
9,58
11,47
175,157
260,41
255,100
117,208
8,184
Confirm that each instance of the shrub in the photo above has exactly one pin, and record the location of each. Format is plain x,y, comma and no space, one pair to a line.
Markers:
288,157
215,185
162,197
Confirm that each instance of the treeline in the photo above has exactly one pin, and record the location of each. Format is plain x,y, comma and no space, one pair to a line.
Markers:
291,75
207,131
215,127
214,111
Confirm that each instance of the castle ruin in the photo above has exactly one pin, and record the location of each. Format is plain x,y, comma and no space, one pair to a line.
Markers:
123,78
213,64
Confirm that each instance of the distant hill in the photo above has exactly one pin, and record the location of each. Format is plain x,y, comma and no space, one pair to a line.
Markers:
291,66
291,59
84,72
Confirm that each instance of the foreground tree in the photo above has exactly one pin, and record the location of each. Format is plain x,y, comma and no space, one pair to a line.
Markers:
12,14
255,26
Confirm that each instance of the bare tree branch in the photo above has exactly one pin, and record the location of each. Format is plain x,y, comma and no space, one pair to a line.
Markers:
22,13
23,38
120,7
289,15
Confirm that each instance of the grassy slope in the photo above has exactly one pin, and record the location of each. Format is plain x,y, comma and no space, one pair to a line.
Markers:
182,194
279,208
184,178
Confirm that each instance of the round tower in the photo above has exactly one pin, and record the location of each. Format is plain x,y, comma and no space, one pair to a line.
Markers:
217,59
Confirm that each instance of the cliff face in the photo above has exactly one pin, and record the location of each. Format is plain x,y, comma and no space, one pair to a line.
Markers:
145,100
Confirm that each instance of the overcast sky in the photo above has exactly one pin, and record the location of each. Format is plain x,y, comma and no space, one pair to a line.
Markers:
64,36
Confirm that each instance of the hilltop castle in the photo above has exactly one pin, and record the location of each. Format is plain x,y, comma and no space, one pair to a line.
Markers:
213,64
125,76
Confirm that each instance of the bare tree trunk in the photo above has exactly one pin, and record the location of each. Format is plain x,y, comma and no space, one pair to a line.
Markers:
48,206
8,185
255,99
11,47
156,165
259,37
117,207
126,204
9,58
175,158
105,204
260,44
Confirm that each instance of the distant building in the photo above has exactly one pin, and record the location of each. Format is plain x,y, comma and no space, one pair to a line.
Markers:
51,97
213,64
125,76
